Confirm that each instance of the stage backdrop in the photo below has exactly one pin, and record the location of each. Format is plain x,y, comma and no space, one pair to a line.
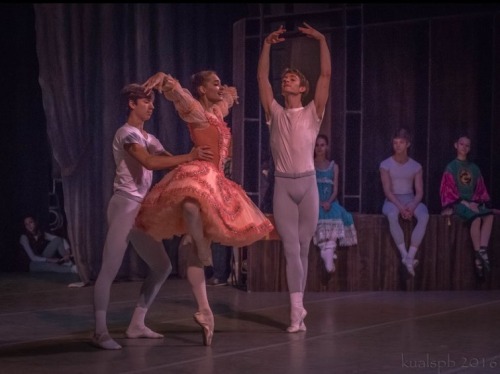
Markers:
433,68
87,53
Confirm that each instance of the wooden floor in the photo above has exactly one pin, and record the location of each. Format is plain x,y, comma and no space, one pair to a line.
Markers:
46,328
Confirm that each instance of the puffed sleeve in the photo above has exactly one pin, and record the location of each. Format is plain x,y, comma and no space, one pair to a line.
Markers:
229,97
481,193
189,109
154,146
448,190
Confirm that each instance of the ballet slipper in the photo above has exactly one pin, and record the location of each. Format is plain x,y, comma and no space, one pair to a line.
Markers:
302,326
207,327
297,320
104,341
142,332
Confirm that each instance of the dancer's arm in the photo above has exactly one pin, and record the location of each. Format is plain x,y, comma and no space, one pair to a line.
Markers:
387,186
265,88
323,84
160,162
29,251
189,109
229,98
419,189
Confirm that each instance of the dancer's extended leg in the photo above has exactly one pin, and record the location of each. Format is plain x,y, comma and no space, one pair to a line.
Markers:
192,217
196,277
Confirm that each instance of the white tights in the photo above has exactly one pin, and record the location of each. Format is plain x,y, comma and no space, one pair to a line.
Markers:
121,217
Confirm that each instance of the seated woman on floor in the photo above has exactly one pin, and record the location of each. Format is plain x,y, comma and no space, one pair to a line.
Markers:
47,252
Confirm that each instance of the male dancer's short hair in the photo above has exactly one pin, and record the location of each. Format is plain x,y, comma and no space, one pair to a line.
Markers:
134,92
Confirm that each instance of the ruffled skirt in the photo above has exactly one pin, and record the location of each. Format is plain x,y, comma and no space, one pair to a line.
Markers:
229,216
335,225
329,232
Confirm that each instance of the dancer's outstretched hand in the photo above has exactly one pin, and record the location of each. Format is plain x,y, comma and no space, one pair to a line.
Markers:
310,32
275,36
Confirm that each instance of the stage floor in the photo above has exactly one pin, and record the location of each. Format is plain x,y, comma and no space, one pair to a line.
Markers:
46,328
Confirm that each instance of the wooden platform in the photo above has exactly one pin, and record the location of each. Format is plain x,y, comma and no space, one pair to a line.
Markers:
446,260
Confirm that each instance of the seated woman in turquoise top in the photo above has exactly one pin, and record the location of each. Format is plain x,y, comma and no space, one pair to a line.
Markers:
335,224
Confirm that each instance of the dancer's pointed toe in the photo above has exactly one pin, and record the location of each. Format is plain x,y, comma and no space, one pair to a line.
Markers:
297,321
207,326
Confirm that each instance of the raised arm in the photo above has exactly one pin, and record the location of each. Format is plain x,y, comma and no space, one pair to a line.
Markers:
229,98
265,88
189,109
323,84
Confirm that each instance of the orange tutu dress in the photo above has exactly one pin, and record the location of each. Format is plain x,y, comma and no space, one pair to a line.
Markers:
229,216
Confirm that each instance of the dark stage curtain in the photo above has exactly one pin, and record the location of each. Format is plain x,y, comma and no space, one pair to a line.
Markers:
87,53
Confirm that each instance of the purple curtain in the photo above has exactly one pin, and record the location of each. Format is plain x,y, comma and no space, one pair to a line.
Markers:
87,53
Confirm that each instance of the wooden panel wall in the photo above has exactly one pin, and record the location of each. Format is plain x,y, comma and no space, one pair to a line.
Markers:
446,261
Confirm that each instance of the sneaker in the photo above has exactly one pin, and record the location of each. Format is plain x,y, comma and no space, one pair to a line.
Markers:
482,255
216,282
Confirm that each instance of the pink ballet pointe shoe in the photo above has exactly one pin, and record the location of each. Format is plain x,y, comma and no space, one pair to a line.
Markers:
302,326
104,341
207,327
297,320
